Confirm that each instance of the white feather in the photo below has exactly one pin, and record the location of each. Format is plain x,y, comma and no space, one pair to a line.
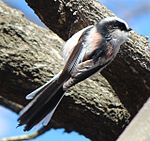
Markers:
33,94
48,117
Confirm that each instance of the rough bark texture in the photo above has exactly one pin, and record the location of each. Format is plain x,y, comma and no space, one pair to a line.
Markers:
139,127
30,55
129,73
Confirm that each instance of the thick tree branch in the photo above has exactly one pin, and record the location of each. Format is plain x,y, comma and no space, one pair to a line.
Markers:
139,127
129,73
29,56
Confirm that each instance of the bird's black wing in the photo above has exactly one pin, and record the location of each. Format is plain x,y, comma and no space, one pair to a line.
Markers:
97,61
75,57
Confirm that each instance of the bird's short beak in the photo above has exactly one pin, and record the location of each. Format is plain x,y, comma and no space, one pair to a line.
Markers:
129,29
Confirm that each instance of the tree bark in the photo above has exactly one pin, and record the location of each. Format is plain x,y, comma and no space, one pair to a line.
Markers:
139,127
30,55
129,73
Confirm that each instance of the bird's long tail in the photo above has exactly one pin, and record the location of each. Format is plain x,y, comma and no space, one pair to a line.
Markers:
42,107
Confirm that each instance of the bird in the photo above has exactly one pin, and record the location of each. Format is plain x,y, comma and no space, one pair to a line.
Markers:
88,51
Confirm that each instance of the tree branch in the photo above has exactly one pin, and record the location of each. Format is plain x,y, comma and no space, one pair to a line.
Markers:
139,127
15,107
129,73
26,137
29,56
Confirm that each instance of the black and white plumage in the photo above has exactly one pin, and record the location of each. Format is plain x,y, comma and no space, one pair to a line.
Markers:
86,52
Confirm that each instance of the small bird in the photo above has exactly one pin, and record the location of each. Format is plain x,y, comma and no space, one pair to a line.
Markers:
86,52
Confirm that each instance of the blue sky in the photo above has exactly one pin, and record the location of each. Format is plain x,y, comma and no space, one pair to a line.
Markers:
8,128
130,10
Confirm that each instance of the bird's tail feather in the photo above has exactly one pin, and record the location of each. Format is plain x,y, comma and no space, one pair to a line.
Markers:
42,107
35,92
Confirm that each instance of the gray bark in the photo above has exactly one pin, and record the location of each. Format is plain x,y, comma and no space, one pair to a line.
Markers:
30,55
129,73
139,127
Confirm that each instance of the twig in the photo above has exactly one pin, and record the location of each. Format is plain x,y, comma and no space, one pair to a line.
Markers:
10,104
27,137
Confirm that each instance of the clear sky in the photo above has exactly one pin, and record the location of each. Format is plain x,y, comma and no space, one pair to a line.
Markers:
135,12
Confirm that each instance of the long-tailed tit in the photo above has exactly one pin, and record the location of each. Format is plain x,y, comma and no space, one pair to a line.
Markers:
86,52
